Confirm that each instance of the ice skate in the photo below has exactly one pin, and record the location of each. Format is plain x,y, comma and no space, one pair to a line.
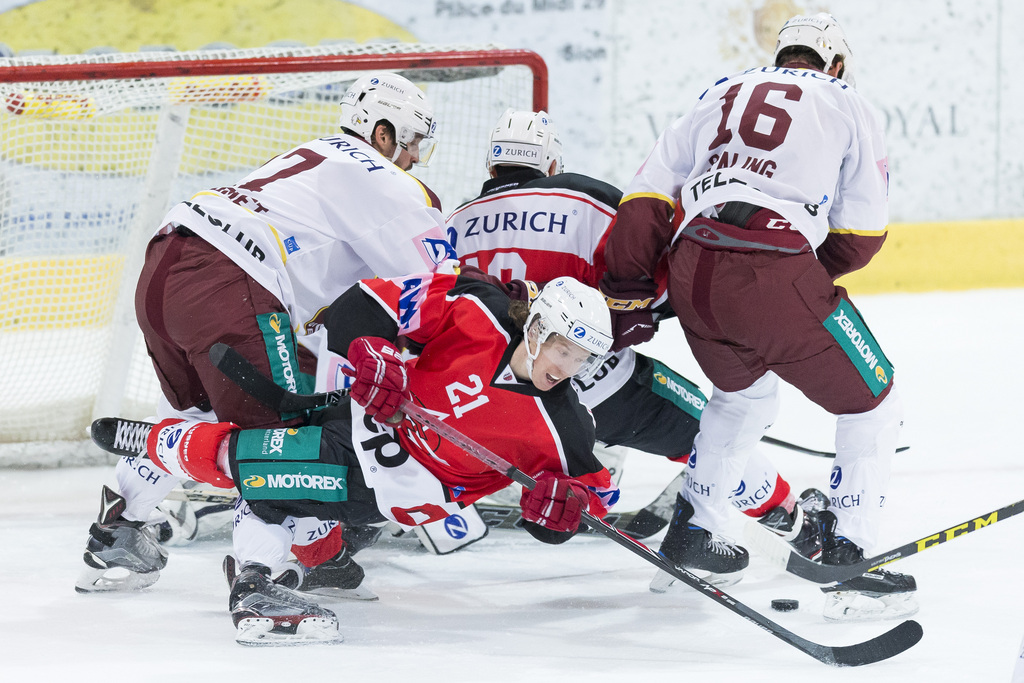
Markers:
720,561
879,594
339,577
268,614
120,555
800,528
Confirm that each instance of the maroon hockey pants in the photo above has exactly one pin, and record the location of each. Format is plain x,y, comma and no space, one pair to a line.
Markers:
189,297
747,313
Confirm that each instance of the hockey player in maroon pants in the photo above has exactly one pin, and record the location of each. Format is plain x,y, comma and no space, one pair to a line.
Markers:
492,368
534,222
780,176
255,264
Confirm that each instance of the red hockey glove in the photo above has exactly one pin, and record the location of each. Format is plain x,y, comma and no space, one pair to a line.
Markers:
630,303
380,381
189,449
556,502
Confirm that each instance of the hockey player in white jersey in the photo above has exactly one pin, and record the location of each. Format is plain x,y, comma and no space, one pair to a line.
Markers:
782,177
255,265
533,222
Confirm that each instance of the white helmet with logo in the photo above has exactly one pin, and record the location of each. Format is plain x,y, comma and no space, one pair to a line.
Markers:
392,98
579,313
525,138
821,33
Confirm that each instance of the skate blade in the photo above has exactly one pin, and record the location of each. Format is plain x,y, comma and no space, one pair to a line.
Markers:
851,606
663,581
259,632
357,593
113,579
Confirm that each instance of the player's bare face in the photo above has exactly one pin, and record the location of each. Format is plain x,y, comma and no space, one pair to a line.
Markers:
558,360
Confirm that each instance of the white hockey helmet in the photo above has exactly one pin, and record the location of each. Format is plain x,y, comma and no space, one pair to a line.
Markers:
395,99
525,138
821,33
579,313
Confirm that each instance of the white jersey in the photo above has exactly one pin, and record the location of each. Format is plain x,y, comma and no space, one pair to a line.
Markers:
770,136
312,222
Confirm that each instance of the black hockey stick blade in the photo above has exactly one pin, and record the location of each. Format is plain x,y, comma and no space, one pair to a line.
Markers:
808,451
253,382
116,435
888,644
798,565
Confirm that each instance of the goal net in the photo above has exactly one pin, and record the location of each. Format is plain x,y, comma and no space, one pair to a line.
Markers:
94,149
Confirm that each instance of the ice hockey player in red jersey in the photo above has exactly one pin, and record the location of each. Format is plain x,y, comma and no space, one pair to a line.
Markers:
781,179
257,264
483,362
533,222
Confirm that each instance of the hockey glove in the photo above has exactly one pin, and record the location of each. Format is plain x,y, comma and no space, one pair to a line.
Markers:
379,381
557,502
189,449
517,290
630,303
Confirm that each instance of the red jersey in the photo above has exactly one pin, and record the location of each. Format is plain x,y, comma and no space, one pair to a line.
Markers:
464,338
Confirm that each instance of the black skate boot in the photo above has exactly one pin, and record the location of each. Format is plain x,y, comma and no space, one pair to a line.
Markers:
120,554
266,613
338,577
879,594
800,528
698,550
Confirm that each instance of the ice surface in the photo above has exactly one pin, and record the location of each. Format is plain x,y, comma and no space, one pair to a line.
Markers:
511,609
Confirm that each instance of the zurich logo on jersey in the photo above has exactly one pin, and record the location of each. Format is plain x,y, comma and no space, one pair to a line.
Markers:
692,461
836,477
740,489
456,526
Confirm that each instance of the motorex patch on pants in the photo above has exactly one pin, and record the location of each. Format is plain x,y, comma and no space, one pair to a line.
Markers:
855,338
293,481
282,443
672,386
283,356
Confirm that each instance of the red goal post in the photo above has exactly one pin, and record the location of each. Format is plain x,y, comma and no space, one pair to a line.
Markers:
95,148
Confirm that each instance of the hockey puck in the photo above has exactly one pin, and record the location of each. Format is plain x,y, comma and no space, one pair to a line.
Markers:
784,605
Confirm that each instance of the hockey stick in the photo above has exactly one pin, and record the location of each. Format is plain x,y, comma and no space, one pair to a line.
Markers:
886,645
795,563
245,375
808,451
127,438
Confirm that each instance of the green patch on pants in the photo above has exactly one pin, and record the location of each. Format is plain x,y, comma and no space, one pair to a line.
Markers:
670,385
283,356
293,481
855,339
283,443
